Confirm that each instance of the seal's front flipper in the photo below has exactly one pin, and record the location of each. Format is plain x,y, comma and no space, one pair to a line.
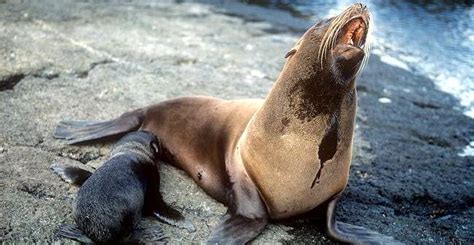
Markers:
146,235
72,232
352,234
247,215
236,229
81,131
72,175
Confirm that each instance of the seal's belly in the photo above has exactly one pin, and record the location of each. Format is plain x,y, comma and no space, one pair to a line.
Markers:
197,132
285,180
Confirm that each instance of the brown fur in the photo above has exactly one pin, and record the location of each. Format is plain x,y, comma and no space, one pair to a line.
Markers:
271,158
201,134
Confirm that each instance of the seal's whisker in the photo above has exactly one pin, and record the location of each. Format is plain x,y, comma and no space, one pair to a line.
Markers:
366,48
330,37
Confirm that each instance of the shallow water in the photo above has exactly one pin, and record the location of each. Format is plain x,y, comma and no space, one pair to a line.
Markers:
428,37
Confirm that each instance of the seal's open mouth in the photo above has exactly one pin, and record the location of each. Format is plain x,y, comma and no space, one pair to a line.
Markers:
346,32
354,32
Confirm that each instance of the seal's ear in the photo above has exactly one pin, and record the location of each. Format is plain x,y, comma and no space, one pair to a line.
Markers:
294,49
290,53
155,146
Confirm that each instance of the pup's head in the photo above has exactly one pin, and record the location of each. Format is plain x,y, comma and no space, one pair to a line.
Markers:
143,143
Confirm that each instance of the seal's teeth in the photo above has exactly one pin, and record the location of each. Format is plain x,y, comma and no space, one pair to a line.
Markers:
351,42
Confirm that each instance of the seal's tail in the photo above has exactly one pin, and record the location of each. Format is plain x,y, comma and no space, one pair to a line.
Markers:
82,131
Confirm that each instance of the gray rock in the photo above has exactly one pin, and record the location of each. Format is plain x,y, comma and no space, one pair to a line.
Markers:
95,59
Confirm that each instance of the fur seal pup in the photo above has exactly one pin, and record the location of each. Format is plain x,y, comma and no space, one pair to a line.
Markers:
111,201
273,158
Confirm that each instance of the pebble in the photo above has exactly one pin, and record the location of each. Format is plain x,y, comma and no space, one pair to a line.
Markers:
385,100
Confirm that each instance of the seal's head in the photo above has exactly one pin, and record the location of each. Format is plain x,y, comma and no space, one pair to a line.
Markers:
337,44
142,143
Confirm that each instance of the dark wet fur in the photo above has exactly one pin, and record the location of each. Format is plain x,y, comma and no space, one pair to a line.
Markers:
111,201
115,195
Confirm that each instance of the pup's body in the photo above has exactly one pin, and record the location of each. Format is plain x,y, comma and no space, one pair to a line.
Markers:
113,199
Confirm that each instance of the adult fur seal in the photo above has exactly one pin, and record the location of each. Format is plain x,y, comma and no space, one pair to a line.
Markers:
272,158
110,202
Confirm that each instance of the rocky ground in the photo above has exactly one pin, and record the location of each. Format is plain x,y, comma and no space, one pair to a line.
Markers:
95,60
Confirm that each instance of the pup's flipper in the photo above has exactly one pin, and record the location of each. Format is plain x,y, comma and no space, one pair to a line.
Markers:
352,234
81,131
157,207
236,229
153,234
173,217
72,232
72,175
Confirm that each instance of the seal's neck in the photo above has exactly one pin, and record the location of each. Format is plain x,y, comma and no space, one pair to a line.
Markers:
303,99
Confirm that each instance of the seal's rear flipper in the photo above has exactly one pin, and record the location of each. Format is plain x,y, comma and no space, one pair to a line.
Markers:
352,234
81,131
72,175
73,232
146,235
236,229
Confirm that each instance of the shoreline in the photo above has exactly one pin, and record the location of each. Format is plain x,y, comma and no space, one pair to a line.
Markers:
296,25
299,25
95,61
297,21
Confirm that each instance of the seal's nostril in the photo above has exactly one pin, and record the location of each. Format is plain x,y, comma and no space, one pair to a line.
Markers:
362,6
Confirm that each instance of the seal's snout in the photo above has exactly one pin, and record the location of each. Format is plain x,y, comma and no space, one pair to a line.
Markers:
358,7
361,6
346,31
354,31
